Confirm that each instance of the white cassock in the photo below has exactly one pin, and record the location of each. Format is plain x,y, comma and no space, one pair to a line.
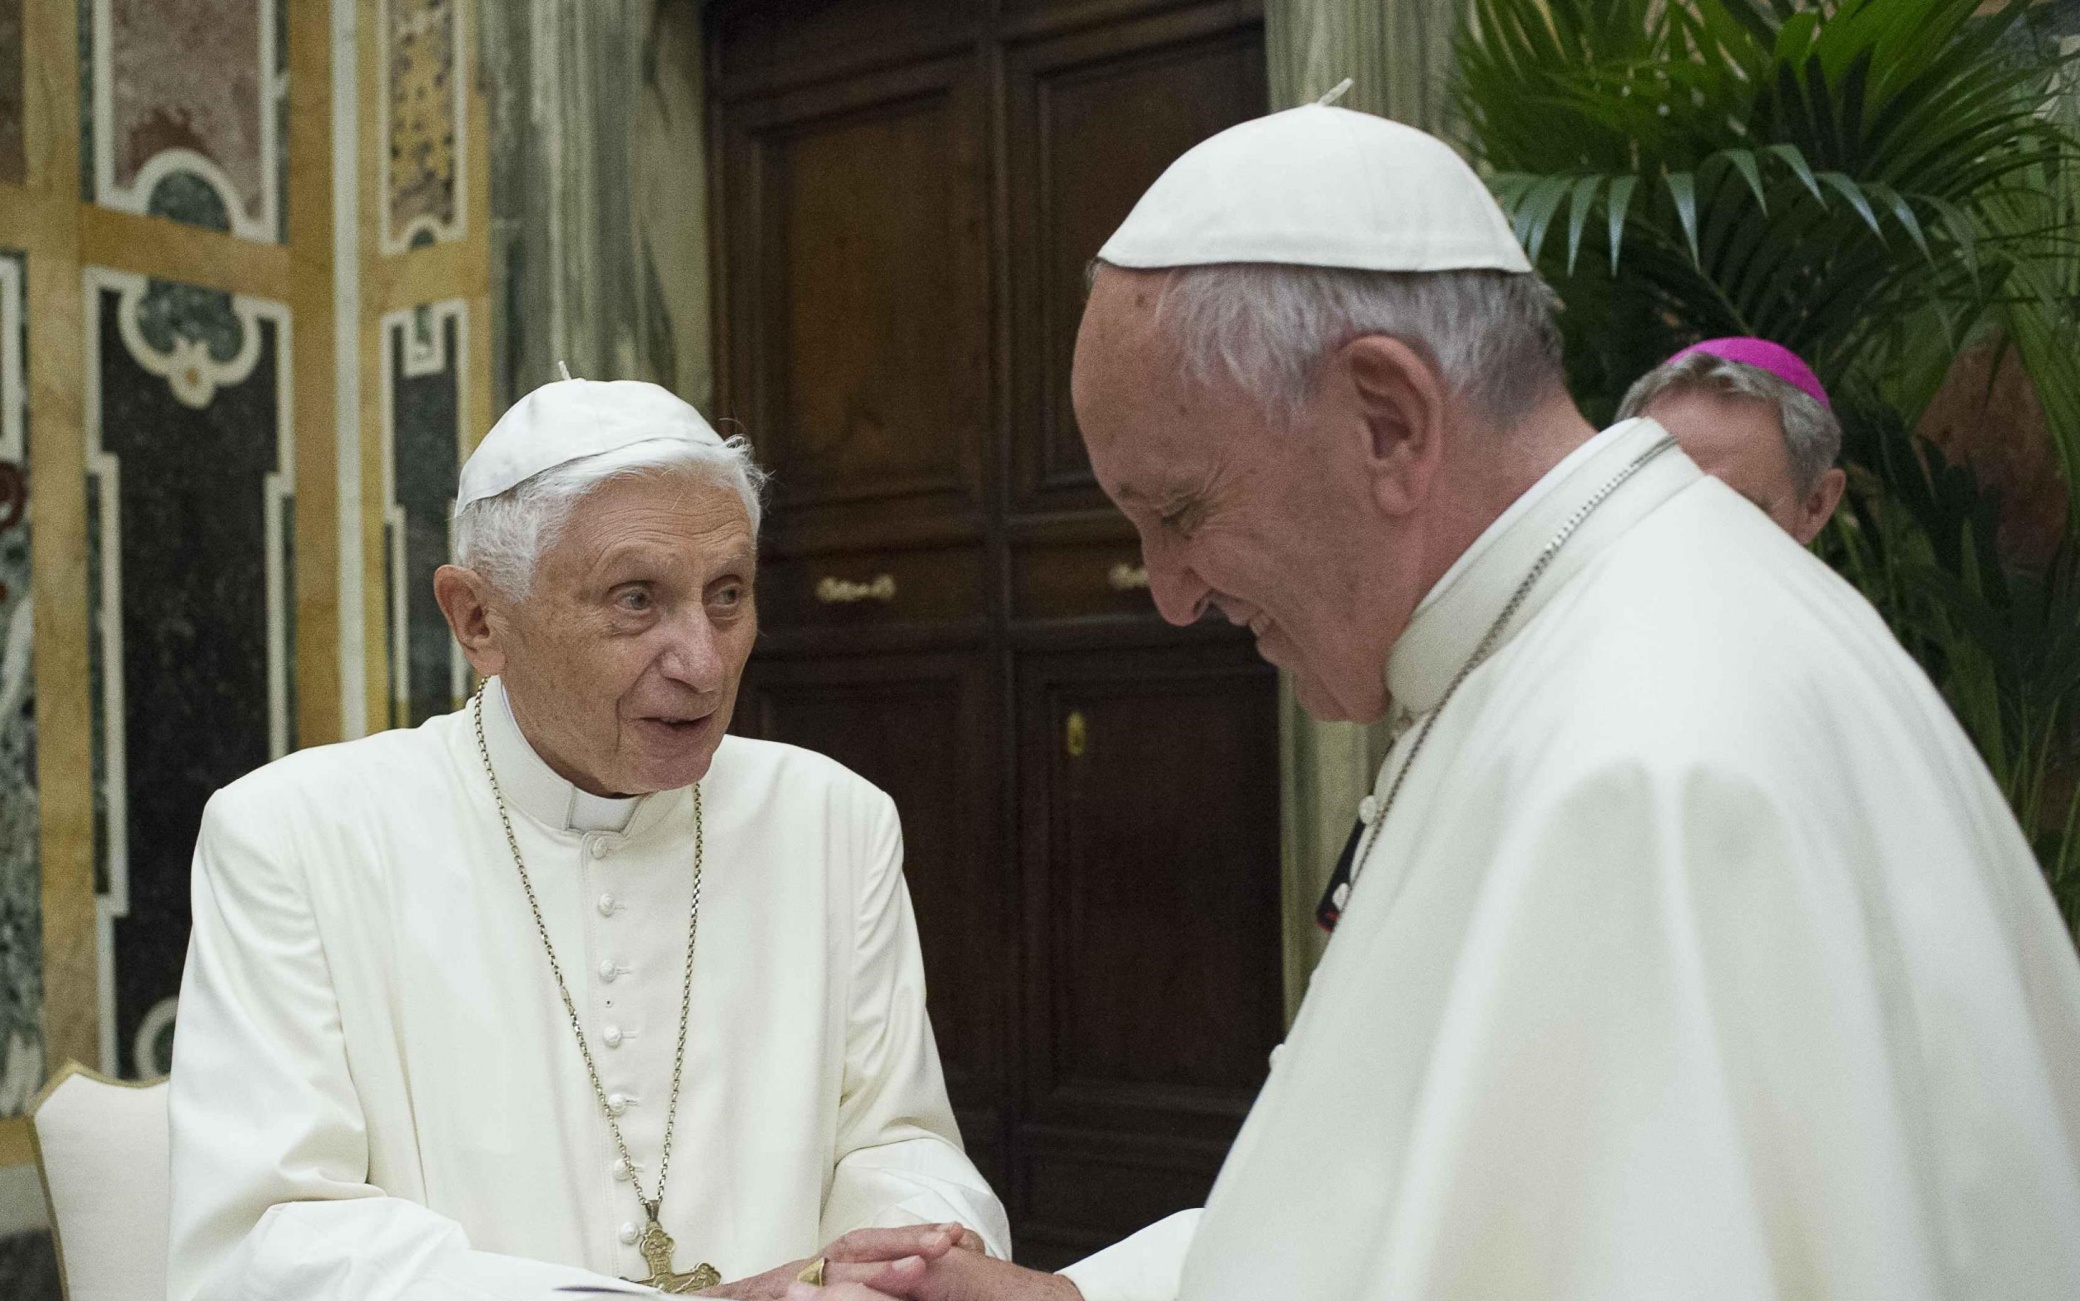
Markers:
1699,958
376,1090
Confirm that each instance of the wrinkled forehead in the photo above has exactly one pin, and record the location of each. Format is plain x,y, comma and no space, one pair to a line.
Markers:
681,514
1142,418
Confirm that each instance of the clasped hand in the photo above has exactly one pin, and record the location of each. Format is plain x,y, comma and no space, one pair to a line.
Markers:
930,1262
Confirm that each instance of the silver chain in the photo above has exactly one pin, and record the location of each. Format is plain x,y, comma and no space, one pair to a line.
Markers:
652,1205
1493,638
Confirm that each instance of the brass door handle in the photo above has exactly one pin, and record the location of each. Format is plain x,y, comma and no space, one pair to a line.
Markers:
1075,735
832,590
1124,577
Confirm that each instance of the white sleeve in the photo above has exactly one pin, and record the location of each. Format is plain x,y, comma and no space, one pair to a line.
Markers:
1144,1267
270,1191
899,1158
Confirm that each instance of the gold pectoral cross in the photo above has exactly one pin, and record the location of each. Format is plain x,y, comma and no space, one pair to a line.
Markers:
657,1246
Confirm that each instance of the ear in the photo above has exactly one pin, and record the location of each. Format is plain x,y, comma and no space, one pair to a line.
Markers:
466,598
1405,406
1818,507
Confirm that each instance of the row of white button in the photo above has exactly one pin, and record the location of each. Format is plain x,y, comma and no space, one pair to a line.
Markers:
612,1035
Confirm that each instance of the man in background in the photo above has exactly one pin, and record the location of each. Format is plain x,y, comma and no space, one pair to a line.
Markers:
1754,416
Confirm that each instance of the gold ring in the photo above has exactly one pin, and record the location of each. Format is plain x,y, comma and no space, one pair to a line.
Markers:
812,1274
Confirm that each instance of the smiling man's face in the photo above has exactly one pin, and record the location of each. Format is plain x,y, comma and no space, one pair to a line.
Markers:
1273,527
623,660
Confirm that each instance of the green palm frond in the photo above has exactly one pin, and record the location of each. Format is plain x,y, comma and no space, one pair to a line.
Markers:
1875,184
1800,171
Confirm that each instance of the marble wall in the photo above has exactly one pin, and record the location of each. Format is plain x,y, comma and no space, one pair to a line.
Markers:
423,98
21,916
424,371
598,186
12,82
184,118
189,464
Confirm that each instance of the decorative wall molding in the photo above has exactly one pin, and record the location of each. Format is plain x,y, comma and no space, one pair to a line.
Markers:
425,393
21,913
423,102
186,112
207,620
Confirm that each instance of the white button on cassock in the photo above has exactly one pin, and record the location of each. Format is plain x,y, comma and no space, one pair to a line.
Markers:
621,1169
606,905
617,1103
1368,809
628,1234
600,849
612,1034
607,969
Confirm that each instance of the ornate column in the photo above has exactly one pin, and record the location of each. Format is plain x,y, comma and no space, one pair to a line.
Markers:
599,178
1398,55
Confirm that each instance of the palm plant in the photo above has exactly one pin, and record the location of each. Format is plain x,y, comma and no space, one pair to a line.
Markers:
1875,184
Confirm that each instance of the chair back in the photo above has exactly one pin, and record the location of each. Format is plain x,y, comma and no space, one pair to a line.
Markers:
101,1148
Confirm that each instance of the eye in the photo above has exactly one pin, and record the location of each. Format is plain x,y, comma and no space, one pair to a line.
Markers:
635,600
727,594
1181,518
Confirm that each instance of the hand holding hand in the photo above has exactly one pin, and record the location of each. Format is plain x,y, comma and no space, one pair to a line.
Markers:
954,1276
893,1258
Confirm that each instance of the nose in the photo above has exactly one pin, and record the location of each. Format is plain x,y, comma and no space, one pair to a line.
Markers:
692,653
1180,594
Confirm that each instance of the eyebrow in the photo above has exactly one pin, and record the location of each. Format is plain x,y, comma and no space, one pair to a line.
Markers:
744,558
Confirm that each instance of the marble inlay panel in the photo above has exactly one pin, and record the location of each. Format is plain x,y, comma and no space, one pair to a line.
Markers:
424,351
21,882
28,1268
424,76
11,81
185,117
189,467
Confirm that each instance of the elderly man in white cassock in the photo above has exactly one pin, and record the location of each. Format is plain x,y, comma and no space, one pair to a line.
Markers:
1690,951
567,987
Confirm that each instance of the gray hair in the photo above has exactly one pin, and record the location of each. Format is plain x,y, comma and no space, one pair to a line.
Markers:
1269,327
503,537
1812,435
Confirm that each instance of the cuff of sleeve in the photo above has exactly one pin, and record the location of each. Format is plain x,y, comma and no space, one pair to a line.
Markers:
1144,1267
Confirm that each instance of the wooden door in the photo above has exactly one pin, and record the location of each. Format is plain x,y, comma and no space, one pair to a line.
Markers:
908,192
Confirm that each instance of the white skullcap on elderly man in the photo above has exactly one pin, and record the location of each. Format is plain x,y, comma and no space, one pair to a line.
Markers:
1319,186
571,419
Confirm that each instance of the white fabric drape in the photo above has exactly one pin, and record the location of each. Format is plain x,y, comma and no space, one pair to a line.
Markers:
1699,957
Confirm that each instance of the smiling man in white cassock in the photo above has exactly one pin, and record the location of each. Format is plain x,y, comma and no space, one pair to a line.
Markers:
567,987
1690,952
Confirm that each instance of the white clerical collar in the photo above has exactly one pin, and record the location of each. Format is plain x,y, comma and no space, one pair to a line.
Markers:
1516,510
1456,613
534,788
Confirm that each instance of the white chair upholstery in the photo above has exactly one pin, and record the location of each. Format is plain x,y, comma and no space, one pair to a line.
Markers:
101,1145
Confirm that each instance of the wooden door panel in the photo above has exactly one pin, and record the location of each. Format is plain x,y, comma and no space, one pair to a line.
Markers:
766,47
907,193
1151,853
920,727
859,301
1149,845
1095,117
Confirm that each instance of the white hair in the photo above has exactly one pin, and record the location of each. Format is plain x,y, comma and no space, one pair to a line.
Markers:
1812,435
503,537
1268,327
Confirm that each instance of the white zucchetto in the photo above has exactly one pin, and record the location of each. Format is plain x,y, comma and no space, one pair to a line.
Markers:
1321,187
574,418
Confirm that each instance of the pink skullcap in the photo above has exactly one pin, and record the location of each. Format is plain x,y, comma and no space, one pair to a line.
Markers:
1764,355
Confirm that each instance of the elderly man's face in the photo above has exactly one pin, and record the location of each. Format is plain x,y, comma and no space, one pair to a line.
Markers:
1739,440
623,660
1275,528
